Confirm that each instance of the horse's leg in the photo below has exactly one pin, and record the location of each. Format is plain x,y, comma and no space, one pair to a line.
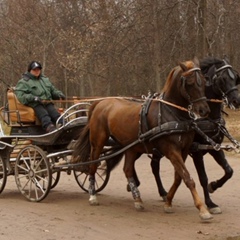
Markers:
171,193
135,177
97,145
219,156
91,189
199,165
181,172
128,169
155,166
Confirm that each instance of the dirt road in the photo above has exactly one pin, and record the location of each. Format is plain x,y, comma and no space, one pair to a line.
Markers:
66,214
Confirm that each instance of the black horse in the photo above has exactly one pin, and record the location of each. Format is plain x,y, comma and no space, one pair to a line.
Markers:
221,84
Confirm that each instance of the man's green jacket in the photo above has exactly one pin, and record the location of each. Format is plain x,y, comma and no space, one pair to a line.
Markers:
29,87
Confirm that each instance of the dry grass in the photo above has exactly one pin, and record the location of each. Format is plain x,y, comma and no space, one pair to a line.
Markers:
233,123
233,127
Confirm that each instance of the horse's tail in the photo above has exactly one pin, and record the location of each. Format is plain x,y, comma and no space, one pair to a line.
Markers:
82,147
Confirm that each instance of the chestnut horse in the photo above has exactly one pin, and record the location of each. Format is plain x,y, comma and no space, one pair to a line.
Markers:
169,120
221,84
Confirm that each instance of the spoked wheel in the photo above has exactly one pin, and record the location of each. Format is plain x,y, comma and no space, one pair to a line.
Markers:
33,175
55,174
3,174
101,177
55,179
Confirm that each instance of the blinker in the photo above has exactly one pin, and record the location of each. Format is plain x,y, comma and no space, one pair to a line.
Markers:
199,80
183,80
231,74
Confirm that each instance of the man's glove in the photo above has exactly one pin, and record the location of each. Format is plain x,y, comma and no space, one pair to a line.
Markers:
62,96
37,99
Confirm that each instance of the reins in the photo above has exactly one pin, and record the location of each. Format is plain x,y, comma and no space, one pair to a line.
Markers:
172,104
127,98
91,99
183,108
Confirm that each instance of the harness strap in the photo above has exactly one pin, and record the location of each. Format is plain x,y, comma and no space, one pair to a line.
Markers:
143,124
216,146
172,104
212,127
228,135
223,67
169,128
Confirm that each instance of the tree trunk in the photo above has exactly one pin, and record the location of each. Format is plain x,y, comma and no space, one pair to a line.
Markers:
202,50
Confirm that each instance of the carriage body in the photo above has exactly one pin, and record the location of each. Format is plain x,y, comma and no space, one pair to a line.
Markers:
37,158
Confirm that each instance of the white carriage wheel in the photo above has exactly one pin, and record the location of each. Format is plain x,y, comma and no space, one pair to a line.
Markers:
3,174
33,174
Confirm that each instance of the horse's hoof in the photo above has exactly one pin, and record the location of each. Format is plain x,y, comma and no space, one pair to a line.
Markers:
210,189
205,216
139,206
168,209
93,200
128,188
215,210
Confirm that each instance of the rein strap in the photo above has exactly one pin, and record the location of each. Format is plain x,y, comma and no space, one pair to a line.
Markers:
172,104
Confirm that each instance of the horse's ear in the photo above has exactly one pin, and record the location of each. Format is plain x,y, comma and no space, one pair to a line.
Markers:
225,59
183,66
196,61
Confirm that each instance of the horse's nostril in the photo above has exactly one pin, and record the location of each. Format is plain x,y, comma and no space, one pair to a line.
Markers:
235,102
201,112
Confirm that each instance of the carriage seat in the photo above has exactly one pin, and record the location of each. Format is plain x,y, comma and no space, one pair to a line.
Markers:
19,113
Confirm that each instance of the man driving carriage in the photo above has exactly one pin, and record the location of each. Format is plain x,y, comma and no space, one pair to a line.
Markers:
35,90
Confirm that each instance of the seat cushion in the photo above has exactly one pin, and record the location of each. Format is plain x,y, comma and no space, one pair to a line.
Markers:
19,112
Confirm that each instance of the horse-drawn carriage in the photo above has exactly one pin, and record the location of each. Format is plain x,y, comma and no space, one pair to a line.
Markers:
165,126
36,158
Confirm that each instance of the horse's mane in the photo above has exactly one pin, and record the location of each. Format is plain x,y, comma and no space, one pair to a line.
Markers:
174,74
208,62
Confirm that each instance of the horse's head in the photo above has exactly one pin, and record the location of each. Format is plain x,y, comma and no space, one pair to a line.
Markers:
192,88
223,79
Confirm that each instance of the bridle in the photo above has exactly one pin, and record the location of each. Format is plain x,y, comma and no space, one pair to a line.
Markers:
199,82
214,81
189,109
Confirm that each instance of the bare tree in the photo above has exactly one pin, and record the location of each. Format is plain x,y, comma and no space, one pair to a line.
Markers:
106,47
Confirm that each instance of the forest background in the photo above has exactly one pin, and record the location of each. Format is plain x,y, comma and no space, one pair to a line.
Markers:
113,47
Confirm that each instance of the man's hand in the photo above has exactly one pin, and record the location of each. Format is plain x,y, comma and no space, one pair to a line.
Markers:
62,96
